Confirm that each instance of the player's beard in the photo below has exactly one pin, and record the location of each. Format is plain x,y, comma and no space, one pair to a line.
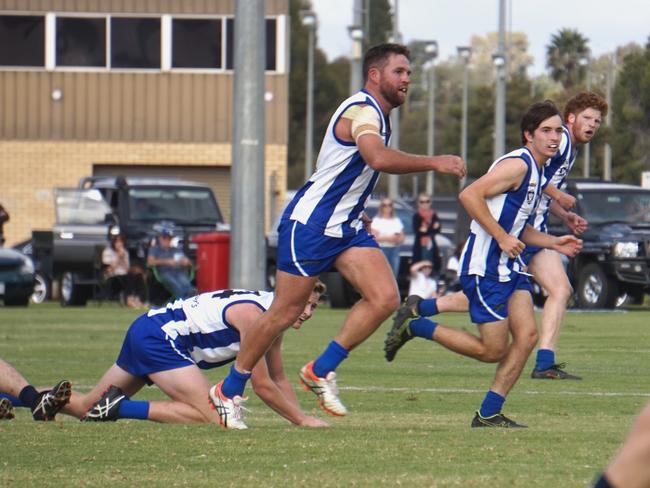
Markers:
391,95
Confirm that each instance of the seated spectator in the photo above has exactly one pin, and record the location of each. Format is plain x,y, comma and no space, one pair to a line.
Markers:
425,227
388,230
171,263
452,275
122,277
422,283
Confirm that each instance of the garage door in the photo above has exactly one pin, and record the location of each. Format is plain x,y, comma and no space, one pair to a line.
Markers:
217,177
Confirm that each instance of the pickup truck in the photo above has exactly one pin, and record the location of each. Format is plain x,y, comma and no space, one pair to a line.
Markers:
87,214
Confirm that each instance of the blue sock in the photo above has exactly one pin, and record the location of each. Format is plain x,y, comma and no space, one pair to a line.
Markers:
28,396
545,359
14,401
423,328
235,383
492,404
133,409
427,308
332,356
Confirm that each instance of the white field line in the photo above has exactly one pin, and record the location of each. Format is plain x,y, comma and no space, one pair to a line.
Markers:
472,391
382,389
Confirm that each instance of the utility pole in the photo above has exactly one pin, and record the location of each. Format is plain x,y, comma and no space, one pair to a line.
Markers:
500,61
247,261
309,21
356,35
585,62
393,180
607,153
431,49
464,53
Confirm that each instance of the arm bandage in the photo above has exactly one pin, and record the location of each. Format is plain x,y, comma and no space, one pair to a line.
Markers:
365,120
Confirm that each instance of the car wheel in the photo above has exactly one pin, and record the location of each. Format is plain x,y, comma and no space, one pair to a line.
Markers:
596,289
41,289
72,294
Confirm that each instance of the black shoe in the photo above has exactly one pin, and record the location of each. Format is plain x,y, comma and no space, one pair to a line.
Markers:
400,334
108,406
6,409
499,420
555,372
50,402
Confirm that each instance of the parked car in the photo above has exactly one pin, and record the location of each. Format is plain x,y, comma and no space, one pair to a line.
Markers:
16,277
131,206
615,260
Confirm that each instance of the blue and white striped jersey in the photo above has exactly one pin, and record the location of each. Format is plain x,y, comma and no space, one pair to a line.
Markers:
555,173
332,200
198,325
482,255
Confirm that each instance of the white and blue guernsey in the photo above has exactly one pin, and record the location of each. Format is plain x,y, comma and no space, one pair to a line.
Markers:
332,200
482,255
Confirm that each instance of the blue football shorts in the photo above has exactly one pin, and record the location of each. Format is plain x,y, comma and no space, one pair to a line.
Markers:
488,298
304,251
147,349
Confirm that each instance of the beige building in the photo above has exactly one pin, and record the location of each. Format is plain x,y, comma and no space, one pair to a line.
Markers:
91,87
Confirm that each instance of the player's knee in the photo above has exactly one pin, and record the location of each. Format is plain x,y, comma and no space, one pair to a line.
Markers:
561,291
493,353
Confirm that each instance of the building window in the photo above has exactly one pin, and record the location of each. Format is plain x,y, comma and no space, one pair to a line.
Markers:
135,42
270,57
81,41
22,40
196,43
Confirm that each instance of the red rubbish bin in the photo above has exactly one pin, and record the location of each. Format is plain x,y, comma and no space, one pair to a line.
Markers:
212,260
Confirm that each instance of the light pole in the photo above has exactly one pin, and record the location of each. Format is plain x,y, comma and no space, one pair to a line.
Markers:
356,77
585,63
464,53
431,49
499,62
499,59
393,180
309,20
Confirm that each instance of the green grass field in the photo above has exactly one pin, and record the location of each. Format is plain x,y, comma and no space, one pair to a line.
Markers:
408,423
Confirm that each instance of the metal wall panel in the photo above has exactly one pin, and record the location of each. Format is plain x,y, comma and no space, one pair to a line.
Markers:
130,106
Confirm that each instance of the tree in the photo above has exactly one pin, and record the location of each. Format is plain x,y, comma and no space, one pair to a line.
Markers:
631,118
563,56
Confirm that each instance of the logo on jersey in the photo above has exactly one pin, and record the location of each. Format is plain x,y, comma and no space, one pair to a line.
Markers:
531,193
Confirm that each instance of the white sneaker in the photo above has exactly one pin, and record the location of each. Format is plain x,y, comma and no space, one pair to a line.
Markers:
324,388
230,410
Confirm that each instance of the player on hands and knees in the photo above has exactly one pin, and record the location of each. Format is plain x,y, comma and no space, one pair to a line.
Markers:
169,347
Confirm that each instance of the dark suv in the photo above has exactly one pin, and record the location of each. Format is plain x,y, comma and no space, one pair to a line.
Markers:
131,206
614,262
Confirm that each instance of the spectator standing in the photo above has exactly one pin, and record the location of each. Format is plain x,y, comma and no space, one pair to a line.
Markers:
172,264
121,275
388,230
425,226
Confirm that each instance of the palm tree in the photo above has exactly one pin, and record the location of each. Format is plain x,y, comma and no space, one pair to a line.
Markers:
563,56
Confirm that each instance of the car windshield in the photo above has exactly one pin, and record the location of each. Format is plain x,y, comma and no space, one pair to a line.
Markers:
631,207
74,206
179,205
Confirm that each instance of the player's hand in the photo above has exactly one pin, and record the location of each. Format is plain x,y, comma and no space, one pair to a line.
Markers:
313,422
566,201
575,223
568,245
512,246
452,165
